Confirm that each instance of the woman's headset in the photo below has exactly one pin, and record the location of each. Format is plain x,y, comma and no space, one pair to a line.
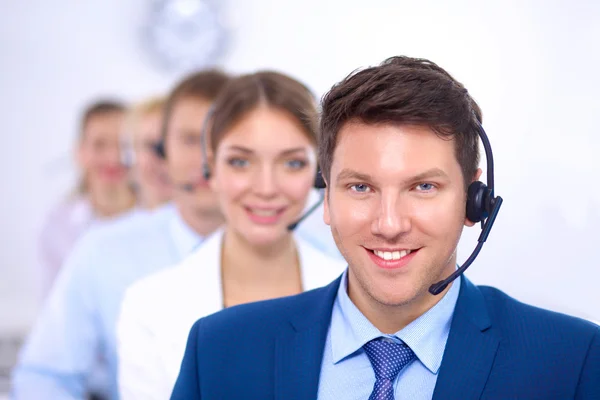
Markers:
319,182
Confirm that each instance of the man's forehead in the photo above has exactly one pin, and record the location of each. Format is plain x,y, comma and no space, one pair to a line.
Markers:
381,138
401,148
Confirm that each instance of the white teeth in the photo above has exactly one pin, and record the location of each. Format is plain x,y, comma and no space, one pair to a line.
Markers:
391,255
263,213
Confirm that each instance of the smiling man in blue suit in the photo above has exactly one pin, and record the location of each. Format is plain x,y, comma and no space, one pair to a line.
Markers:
399,153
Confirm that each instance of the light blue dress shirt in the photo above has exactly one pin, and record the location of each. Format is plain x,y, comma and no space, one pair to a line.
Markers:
77,324
346,371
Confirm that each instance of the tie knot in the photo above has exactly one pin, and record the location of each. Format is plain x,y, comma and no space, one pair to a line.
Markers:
388,357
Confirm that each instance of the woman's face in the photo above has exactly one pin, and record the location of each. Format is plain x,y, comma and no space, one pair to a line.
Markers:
150,170
263,171
99,152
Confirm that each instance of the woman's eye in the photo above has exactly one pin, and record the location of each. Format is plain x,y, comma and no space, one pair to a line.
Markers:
238,162
360,188
296,164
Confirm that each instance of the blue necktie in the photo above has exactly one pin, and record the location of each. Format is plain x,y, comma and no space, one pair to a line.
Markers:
387,358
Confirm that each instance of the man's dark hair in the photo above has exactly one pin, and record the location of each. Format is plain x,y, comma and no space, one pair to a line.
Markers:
201,85
404,91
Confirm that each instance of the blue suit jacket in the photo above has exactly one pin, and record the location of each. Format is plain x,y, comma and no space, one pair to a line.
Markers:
498,348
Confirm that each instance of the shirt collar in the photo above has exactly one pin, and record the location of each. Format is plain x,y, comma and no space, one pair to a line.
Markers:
184,237
426,336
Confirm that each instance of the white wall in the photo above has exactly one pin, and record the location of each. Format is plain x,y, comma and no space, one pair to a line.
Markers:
531,65
55,58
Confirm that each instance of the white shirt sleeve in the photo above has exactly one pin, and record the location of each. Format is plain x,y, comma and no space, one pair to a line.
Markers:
141,373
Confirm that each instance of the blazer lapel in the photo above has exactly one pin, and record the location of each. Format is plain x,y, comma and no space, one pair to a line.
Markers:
300,344
470,350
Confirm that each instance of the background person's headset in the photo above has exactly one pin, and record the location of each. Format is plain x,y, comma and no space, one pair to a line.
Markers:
159,146
319,182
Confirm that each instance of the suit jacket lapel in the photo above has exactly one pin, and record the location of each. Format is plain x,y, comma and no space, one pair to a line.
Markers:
300,344
470,350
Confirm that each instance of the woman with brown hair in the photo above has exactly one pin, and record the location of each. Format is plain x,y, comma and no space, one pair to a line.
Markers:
262,164
148,171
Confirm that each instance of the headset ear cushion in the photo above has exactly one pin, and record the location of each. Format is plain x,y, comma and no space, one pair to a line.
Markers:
205,171
319,181
476,201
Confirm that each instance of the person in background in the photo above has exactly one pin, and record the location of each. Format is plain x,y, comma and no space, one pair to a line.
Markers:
77,325
263,137
148,171
103,192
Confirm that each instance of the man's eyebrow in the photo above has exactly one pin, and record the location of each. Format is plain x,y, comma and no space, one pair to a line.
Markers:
189,131
432,173
348,173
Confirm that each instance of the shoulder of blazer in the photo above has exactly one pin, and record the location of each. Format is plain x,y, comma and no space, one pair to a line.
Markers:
507,313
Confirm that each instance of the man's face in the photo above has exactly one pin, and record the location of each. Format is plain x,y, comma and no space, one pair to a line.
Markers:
396,206
184,155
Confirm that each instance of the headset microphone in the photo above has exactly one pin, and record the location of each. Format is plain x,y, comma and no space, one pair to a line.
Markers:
319,184
482,206
159,150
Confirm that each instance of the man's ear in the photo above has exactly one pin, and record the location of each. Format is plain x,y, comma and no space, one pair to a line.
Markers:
468,222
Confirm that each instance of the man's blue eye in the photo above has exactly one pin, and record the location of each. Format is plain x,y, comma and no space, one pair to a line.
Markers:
425,186
360,188
238,163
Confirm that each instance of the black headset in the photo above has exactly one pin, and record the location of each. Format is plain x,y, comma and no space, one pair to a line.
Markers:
482,206
159,146
482,203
